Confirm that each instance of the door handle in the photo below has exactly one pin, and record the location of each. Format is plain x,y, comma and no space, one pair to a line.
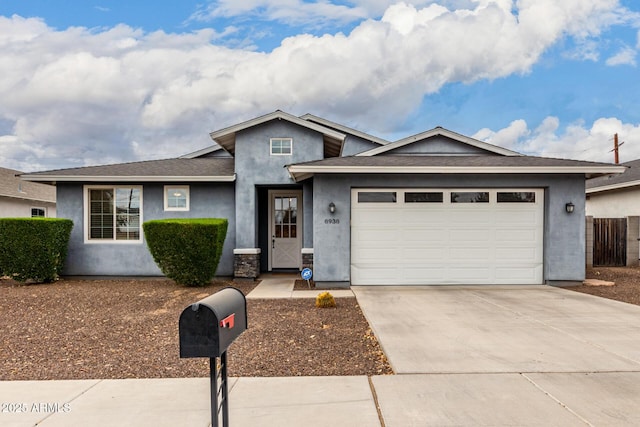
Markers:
273,242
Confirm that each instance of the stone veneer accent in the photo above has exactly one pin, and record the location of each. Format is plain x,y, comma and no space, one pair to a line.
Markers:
246,263
307,258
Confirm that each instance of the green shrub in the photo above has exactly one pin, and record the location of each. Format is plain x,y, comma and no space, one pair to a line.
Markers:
186,250
34,248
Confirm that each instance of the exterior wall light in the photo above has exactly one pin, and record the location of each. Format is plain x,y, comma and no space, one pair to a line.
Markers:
332,207
569,207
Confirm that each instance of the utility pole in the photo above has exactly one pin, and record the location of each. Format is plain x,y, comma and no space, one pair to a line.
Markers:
616,147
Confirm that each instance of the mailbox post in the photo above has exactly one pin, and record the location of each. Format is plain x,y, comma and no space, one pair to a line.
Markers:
206,329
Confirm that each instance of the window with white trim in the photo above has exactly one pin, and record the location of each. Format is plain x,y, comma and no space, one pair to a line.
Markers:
281,146
176,197
113,213
38,212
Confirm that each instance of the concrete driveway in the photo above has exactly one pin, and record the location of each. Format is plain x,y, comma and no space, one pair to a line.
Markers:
505,355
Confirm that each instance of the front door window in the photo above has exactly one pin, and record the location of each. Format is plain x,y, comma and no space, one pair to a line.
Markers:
286,242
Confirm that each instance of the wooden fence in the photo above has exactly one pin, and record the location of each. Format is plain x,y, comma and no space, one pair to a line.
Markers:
610,241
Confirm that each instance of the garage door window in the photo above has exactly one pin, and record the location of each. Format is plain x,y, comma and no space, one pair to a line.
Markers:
470,197
423,197
377,197
517,197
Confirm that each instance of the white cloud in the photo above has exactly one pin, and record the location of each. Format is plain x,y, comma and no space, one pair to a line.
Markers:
626,56
577,141
91,96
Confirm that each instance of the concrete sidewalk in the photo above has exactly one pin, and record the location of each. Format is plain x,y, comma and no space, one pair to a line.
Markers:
560,399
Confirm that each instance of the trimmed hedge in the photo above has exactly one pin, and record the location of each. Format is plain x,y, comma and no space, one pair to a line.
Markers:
187,250
34,248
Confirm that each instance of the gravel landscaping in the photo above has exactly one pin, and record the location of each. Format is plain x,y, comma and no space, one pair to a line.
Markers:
128,328
81,329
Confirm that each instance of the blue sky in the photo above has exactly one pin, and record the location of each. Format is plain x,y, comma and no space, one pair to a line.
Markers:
102,82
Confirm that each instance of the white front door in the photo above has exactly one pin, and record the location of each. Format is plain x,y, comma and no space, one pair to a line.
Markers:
285,212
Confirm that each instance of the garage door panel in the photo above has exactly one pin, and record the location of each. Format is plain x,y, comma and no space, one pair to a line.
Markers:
436,217
424,255
518,253
517,273
461,214
371,274
424,236
470,275
469,254
447,243
517,235
469,235
418,274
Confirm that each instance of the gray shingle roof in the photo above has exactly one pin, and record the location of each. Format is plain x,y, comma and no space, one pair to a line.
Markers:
629,178
202,168
12,186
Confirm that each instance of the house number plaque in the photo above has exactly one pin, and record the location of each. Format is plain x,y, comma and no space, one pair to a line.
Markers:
332,221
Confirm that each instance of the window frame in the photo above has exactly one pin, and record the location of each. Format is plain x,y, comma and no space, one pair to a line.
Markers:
290,140
44,212
184,188
87,214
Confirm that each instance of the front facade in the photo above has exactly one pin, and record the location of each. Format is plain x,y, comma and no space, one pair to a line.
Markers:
434,208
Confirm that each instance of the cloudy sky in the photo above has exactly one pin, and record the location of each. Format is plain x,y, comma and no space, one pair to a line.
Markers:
86,82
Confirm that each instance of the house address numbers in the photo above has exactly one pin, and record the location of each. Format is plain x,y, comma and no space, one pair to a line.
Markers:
332,221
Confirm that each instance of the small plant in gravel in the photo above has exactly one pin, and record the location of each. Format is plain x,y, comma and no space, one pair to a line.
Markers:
325,300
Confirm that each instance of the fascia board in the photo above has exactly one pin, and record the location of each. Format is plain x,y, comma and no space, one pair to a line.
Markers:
613,187
120,178
273,116
300,169
201,152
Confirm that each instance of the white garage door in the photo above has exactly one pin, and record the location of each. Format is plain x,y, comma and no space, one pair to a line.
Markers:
446,236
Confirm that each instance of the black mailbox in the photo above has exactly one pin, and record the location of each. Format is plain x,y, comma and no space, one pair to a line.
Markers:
208,327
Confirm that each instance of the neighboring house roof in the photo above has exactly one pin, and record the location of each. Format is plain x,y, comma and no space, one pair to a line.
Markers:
451,164
176,170
440,131
226,137
12,186
630,178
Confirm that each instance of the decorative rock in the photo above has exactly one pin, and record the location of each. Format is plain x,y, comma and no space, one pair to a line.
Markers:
596,282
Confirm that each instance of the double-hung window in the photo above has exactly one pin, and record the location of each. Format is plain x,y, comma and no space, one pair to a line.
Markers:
113,213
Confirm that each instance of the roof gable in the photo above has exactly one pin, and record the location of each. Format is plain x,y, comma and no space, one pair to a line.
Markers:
226,138
440,142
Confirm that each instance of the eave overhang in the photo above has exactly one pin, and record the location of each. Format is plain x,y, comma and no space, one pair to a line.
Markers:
612,187
301,172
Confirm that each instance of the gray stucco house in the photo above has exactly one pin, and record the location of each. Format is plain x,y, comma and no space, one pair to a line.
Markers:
433,208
